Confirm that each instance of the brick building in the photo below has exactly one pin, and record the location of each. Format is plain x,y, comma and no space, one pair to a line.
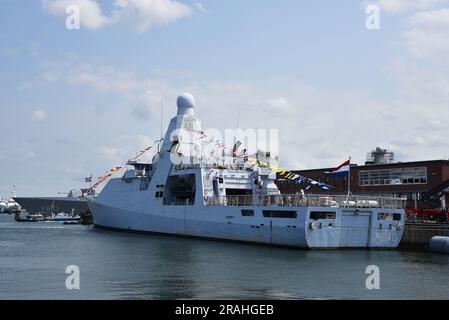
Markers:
404,179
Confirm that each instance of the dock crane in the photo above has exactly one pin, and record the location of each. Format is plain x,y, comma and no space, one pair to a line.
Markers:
432,197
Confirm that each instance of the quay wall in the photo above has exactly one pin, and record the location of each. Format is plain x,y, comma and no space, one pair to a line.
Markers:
419,234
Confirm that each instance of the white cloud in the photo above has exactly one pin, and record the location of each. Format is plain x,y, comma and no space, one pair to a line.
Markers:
427,26
399,6
108,153
200,7
142,14
145,95
91,15
145,14
150,98
142,113
428,34
427,30
280,104
17,153
38,116
26,155
125,147
144,141
424,44
305,131
74,170
311,131
421,75
425,85
103,78
431,19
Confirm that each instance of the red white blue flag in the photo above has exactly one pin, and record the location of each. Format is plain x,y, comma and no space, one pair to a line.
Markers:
341,170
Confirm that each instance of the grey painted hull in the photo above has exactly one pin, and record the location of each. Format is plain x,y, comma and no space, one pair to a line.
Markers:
351,228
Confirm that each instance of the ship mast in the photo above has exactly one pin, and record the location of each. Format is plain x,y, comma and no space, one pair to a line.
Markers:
160,139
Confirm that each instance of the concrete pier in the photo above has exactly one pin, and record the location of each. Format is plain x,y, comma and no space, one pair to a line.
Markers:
419,234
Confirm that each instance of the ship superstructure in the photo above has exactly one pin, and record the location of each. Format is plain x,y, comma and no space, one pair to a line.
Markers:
184,193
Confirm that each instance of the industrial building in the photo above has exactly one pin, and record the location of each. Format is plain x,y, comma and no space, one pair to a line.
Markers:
425,184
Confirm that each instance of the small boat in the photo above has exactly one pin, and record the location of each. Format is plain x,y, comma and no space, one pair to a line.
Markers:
24,216
62,216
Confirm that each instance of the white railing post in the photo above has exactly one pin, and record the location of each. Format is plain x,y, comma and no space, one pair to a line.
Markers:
287,200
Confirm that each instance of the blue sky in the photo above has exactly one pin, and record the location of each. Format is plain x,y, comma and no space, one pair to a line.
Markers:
75,102
248,39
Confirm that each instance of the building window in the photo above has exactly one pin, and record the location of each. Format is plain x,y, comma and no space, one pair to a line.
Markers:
416,175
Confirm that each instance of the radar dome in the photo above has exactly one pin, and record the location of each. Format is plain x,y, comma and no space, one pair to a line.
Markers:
186,103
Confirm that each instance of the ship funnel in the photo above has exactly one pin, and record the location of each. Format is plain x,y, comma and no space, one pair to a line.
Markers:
186,103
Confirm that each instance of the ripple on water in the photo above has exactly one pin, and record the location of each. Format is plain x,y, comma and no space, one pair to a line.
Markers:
123,266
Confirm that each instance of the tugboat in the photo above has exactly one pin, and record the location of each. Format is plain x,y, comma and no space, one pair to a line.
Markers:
185,193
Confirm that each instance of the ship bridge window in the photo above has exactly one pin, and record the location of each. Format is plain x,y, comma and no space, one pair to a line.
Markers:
159,194
248,213
280,214
322,215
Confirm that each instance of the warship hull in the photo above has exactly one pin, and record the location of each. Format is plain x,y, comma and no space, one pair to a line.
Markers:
349,228
52,204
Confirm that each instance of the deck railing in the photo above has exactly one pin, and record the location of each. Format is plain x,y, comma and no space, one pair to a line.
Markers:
314,200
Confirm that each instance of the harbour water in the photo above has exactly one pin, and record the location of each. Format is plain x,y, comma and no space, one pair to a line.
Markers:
34,257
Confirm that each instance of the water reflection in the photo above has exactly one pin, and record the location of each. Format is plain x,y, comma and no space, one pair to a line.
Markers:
125,266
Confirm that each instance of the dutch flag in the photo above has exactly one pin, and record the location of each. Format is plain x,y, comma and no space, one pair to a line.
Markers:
341,170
